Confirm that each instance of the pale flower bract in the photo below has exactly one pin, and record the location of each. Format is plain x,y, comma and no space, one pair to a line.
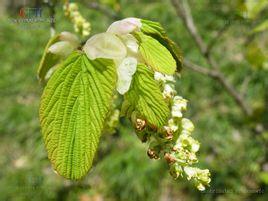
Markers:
125,71
125,26
105,45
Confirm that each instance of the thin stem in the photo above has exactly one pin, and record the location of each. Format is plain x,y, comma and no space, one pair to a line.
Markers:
217,75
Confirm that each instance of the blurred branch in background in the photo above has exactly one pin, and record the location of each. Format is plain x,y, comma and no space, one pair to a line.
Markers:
214,40
104,10
183,11
51,4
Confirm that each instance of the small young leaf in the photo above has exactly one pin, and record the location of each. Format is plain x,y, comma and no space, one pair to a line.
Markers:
145,97
48,59
155,30
73,108
57,49
155,54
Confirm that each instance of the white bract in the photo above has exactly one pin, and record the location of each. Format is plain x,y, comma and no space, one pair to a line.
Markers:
131,43
125,26
105,45
125,71
120,46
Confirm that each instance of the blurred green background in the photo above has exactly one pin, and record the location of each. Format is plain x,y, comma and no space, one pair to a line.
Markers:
233,145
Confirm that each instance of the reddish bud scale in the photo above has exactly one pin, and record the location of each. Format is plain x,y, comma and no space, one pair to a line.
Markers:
169,158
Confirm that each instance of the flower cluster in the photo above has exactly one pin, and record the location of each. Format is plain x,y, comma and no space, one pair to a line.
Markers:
80,24
200,177
174,142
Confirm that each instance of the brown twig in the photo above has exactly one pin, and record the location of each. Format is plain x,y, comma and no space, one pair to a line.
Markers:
217,75
183,11
200,69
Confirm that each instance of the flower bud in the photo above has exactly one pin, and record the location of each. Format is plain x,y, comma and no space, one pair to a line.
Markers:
180,102
168,91
73,6
159,77
140,124
67,36
152,154
169,158
80,23
169,133
173,125
176,113
61,48
187,125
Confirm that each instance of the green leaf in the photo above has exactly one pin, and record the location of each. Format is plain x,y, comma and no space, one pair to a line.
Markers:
155,30
48,59
263,177
145,97
150,28
254,8
261,27
255,55
73,108
155,55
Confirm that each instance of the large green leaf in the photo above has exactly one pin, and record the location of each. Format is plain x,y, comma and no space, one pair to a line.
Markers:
155,54
145,97
48,59
73,109
155,30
